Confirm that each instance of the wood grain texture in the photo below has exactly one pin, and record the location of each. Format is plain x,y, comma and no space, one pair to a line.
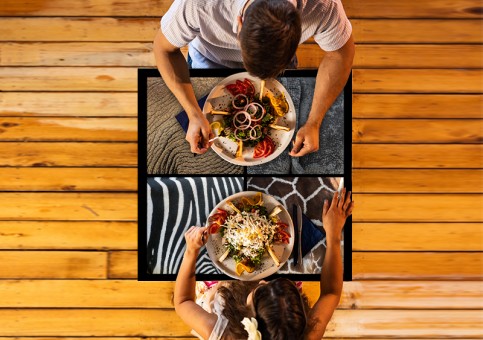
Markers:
418,156
42,154
416,81
417,237
68,206
68,129
420,131
420,266
123,265
133,294
401,56
68,79
147,322
381,31
68,235
354,8
417,181
52,264
58,104
419,31
433,106
418,208
68,179
309,54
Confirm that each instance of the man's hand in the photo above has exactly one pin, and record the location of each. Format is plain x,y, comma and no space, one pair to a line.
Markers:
335,214
306,141
199,133
196,237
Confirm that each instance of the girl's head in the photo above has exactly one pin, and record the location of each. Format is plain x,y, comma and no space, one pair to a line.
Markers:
280,309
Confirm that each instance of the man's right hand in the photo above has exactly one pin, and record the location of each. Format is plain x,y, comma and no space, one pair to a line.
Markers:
199,133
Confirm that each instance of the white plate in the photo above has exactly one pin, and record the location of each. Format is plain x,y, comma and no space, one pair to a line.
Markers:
219,99
267,267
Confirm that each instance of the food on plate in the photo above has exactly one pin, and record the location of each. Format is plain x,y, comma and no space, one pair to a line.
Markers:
248,230
249,118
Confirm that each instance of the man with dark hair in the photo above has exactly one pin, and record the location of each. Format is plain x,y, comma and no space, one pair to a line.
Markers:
261,36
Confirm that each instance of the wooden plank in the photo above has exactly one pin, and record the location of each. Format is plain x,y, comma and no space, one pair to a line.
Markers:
142,322
86,294
417,181
40,154
418,208
68,179
97,322
381,31
417,236
309,55
400,56
416,81
416,106
35,104
77,54
416,156
68,206
354,8
416,266
84,8
123,265
68,79
417,31
79,29
52,265
68,235
413,9
68,129
139,294
453,131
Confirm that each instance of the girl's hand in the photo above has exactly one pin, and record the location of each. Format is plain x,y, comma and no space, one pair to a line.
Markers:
335,213
196,238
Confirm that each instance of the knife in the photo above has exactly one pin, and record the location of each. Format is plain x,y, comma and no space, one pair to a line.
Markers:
296,228
300,225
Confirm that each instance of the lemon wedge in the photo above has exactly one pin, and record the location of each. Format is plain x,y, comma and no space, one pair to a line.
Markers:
217,127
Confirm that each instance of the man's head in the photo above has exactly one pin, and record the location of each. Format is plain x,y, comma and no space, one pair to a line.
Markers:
269,36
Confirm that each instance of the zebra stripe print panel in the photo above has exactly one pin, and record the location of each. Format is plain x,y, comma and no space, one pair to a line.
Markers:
174,205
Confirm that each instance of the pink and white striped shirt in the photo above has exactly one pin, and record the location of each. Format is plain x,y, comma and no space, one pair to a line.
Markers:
209,27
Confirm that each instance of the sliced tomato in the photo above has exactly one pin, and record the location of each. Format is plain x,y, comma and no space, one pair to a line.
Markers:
213,228
250,87
260,149
233,89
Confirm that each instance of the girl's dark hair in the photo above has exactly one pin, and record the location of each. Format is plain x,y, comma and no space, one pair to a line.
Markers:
269,37
235,308
281,310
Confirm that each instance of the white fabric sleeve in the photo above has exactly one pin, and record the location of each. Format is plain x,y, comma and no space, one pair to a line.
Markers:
180,24
334,32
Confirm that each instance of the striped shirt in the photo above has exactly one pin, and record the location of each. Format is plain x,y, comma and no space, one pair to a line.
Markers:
209,28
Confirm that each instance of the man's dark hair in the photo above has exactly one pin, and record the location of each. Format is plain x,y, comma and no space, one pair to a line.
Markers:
269,37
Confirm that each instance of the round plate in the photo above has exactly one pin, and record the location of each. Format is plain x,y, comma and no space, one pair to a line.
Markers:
219,99
267,267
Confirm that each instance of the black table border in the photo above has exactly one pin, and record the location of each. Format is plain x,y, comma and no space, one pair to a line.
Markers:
143,74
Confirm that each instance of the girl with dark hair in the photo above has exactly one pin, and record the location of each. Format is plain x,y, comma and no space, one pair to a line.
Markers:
264,310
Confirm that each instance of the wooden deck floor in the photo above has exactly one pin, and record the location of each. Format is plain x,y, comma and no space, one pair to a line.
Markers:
68,140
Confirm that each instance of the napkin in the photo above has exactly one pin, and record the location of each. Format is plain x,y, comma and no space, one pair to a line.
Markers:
182,117
311,235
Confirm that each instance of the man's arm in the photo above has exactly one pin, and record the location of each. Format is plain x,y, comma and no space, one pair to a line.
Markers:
332,75
174,70
184,290
331,277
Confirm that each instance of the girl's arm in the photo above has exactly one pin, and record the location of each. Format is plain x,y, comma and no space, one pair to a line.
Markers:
333,217
184,290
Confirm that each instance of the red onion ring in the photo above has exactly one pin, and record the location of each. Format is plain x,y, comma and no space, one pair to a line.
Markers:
242,123
253,114
236,136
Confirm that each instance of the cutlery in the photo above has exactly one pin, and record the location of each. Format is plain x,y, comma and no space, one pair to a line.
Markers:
300,226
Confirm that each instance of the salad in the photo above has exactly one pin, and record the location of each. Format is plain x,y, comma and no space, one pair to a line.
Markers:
248,231
250,116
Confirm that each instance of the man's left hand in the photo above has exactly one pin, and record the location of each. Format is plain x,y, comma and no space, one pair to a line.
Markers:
306,141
